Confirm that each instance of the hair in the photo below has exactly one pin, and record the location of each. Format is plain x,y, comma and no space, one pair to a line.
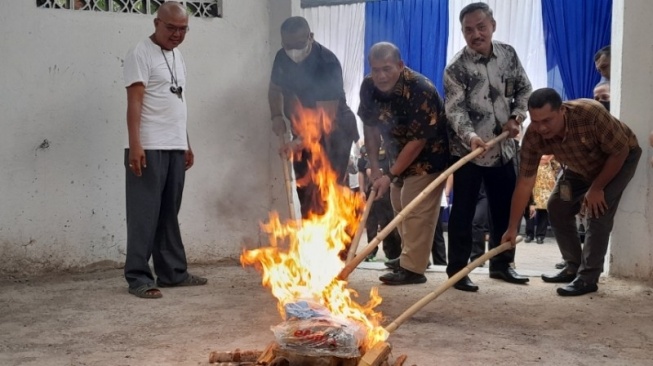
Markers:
171,7
603,51
294,24
605,82
544,96
485,8
383,51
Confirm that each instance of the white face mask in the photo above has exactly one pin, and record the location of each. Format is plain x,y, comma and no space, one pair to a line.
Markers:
299,55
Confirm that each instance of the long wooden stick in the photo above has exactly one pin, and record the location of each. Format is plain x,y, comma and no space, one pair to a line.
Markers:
287,176
401,216
359,232
448,284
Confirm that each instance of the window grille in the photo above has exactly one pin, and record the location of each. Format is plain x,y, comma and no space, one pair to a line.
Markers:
196,8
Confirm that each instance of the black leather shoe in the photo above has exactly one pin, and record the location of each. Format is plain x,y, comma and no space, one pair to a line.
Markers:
509,275
402,277
539,240
563,276
528,239
465,284
561,265
392,263
577,287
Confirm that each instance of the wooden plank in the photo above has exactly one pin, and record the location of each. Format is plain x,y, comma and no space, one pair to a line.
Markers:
376,355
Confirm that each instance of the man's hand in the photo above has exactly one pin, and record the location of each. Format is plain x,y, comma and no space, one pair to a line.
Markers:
137,160
290,149
532,211
512,127
594,204
381,186
279,125
190,158
510,236
477,142
375,174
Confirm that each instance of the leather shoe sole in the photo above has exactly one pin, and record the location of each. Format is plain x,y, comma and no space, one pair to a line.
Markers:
509,275
577,287
560,277
465,284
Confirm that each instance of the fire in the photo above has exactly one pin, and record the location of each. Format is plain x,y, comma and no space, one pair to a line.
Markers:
308,268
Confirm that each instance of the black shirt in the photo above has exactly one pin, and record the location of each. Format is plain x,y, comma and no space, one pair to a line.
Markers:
318,78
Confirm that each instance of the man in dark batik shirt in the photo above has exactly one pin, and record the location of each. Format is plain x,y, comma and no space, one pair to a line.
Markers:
306,74
405,108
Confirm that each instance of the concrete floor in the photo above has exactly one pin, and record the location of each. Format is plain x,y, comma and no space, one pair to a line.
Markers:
90,319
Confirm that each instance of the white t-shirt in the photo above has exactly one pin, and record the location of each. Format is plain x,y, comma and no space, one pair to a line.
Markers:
163,118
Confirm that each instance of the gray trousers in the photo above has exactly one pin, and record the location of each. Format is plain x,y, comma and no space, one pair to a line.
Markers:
153,202
588,260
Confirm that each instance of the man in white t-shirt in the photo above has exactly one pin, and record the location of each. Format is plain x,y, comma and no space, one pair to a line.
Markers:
157,156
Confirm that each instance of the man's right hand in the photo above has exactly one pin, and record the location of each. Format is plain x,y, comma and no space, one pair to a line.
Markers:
477,142
137,160
279,125
380,186
510,236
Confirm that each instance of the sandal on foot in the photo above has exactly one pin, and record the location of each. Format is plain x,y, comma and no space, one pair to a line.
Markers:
146,292
191,280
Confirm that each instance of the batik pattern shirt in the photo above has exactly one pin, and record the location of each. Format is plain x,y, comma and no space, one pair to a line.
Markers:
480,96
413,110
591,135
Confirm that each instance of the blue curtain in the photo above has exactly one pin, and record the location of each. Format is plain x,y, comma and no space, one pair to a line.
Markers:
420,28
573,32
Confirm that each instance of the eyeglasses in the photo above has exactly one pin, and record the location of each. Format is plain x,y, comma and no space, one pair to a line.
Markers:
172,29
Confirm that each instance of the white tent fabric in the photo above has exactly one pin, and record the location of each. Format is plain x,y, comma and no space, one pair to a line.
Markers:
519,23
341,29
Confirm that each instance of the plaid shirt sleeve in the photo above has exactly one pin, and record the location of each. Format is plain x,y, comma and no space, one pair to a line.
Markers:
530,154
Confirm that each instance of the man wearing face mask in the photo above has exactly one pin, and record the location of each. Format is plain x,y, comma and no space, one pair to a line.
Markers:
602,93
306,74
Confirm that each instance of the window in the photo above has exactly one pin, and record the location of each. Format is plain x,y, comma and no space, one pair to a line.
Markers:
197,8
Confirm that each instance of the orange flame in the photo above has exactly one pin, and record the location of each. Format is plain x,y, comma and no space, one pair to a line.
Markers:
309,268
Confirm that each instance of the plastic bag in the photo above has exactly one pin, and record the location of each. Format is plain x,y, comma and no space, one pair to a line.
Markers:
317,337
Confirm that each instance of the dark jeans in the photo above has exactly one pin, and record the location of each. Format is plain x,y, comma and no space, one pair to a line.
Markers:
381,214
499,185
589,258
153,202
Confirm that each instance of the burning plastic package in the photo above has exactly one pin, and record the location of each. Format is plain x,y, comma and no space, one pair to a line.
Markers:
310,330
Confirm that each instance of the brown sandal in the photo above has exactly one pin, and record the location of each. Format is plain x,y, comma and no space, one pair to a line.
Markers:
146,292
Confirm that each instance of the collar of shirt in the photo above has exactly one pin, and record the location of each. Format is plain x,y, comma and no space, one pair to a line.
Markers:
477,57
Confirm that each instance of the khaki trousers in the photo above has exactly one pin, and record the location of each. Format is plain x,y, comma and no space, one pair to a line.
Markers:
418,227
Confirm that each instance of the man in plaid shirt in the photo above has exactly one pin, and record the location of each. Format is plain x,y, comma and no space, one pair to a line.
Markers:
599,155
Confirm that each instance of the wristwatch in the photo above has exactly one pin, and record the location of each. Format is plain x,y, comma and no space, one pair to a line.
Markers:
393,178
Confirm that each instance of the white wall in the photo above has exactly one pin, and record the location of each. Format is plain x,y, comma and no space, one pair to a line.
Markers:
62,206
631,92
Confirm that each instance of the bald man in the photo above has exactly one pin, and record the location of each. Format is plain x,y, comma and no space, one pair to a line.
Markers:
157,156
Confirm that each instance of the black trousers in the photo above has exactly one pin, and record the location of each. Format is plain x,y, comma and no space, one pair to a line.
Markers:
381,214
499,185
153,202
439,248
536,226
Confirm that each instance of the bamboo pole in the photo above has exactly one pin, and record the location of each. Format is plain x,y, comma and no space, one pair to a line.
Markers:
401,216
287,177
359,231
447,284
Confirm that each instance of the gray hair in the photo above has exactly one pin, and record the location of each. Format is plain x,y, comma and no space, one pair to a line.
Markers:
383,51
474,7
